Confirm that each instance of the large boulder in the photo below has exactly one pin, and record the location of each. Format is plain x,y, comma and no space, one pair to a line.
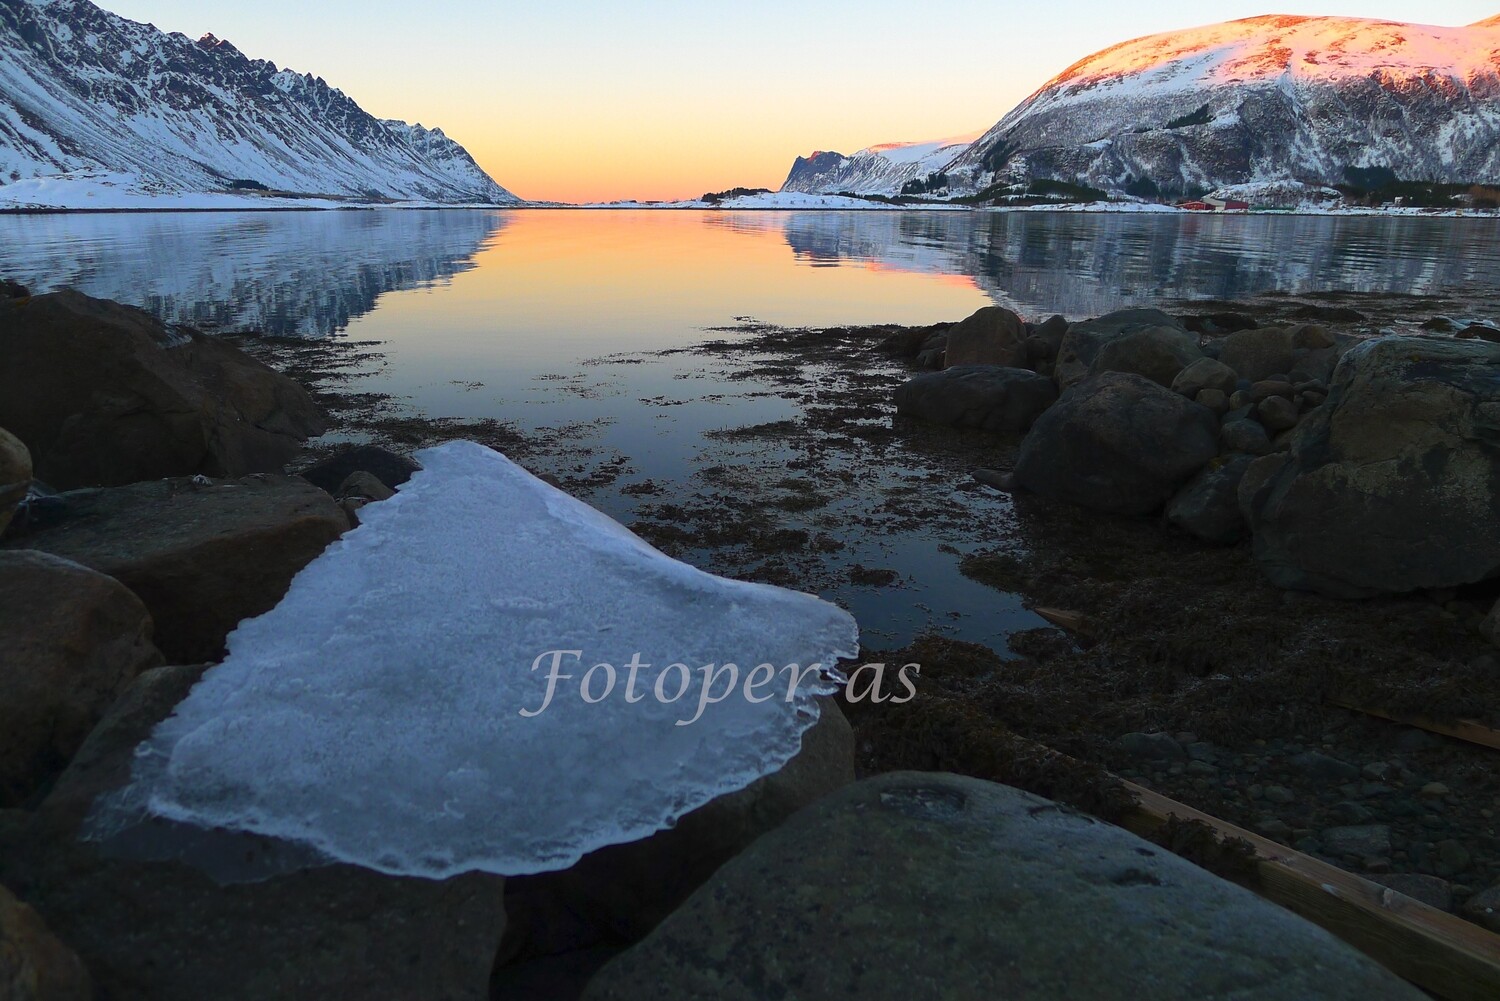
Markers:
71,640
105,394
201,555
620,892
15,476
1117,442
1259,354
977,396
164,930
1208,507
1081,345
1158,353
34,965
1392,485
992,336
912,885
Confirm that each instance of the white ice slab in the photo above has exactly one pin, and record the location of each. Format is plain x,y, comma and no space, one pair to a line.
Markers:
375,714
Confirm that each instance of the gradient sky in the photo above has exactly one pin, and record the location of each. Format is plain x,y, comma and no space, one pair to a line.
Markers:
580,100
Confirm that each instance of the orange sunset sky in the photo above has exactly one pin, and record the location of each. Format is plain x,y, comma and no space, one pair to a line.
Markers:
590,101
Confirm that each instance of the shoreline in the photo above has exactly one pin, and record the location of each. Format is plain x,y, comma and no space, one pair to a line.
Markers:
1112,209
1187,671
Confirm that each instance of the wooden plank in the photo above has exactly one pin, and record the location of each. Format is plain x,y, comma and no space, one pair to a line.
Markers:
1075,622
1469,730
1440,953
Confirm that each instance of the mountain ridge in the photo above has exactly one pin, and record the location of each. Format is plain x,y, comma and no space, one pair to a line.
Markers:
1269,98
84,92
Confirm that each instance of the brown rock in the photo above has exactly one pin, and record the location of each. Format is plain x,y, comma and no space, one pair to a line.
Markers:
992,336
105,394
72,640
15,476
34,965
202,557
364,486
1277,414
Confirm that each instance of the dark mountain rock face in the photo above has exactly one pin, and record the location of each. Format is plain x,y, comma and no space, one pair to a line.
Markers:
83,91
808,171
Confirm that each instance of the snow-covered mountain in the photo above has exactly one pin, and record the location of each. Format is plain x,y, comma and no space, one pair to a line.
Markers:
1261,99
86,94
876,170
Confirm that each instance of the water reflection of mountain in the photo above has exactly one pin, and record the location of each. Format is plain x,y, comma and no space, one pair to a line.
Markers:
285,273
1085,264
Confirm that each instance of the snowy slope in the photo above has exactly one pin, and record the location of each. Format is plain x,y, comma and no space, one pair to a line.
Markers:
85,94
876,170
1262,99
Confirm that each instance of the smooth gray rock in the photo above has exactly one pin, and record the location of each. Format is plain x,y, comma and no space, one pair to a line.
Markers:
1208,507
991,336
1117,442
1391,485
915,885
987,397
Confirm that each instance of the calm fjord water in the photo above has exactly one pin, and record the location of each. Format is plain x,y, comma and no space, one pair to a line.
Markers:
551,319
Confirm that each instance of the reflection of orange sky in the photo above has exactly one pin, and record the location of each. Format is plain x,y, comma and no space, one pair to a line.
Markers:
548,273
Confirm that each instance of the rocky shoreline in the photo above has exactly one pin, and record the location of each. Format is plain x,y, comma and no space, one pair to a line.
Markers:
1172,474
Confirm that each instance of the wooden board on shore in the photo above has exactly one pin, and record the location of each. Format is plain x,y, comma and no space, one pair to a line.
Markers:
1438,952
1468,730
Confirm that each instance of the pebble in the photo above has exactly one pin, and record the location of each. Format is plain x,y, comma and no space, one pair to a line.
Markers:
1280,794
1434,790
1452,858
1317,765
1151,746
1376,771
1430,890
1360,840
1484,907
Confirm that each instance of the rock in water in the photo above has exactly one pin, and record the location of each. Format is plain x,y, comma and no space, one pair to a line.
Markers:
1117,442
201,555
71,640
375,715
1393,484
913,885
977,396
105,394
992,336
